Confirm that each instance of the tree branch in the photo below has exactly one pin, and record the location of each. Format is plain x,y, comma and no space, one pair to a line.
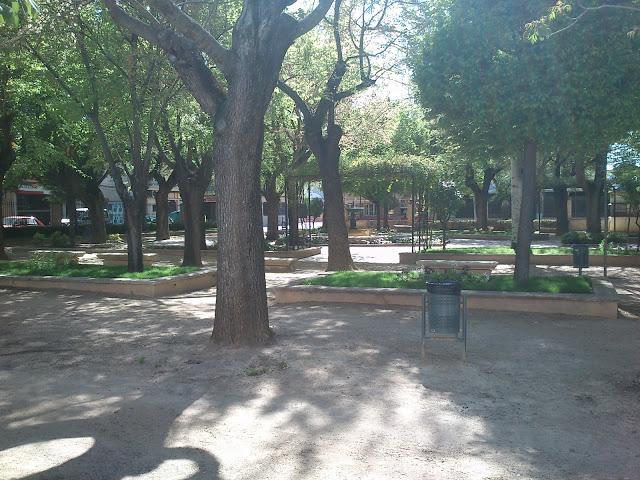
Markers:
192,30
297,99
313,18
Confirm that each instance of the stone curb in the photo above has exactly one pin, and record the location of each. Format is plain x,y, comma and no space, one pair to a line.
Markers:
117,287
603,302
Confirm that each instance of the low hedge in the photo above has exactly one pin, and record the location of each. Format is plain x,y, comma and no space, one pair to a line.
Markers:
498,225
30,231
578,237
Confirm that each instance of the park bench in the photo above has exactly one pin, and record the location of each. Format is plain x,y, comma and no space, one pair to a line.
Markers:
116,259
478,267
274,265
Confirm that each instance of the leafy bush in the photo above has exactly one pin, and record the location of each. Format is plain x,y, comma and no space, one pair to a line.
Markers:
593,238
121,229
39,239
616,238
30,231
59,239
114,238
278,245
580,237
49,260
456,277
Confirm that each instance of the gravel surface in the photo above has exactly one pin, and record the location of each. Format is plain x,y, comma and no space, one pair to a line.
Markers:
99,388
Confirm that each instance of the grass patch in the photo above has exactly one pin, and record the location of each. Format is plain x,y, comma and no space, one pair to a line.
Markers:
505,250
90,271
417,279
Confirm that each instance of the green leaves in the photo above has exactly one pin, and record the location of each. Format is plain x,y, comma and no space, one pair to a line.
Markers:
17,12
491,89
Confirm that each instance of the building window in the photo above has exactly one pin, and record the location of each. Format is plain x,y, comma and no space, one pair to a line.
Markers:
578,205
370,209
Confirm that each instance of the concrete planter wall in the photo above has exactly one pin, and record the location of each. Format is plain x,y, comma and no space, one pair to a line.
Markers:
603,302
479,236
212,253
408,258
117,287
302,253
207,255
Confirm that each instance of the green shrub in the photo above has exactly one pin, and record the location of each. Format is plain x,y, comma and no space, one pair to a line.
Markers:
581,238
49,260
114,238
456,277
59,239
39,239
593,238
30,230
111,228
616,238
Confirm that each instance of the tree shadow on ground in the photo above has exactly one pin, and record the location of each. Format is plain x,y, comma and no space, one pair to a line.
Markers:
341,393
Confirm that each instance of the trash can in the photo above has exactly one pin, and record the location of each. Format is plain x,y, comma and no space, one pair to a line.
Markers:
443,300
580,257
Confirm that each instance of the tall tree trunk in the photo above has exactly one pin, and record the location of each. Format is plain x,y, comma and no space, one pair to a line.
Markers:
3,253
272,200
162,210
481,210
593,190
292,214
241,306
73,220
134,214
527,210
561,197
203,232
339,253
444,224
386,215
593,194
192,217
95,204
516,197
378,215
480,194
7,142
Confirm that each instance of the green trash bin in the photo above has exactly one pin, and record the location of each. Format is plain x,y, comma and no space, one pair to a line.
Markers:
444,313
444,308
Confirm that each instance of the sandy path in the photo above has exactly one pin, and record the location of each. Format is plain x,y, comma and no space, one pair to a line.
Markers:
94,388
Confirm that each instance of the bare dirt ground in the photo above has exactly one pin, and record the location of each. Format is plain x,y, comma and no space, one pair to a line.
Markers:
98,388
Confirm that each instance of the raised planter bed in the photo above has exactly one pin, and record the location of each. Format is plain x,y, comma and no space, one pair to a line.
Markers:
117,287
603,302
408,258
73,254
301,253
480,236
279,265
122,258
478,266
211,253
